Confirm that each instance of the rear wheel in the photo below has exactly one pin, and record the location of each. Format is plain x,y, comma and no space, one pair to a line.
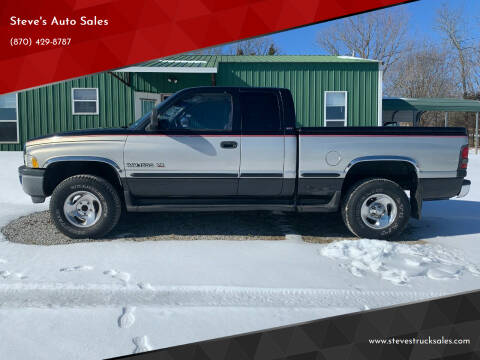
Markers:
85,206
376,209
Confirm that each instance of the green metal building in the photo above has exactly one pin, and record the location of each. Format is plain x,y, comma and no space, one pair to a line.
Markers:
327,90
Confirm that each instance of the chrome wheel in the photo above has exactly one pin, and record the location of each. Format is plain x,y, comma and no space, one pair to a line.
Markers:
378,211
82,209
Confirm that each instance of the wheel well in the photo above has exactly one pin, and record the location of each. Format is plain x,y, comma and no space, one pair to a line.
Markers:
59,171
401,172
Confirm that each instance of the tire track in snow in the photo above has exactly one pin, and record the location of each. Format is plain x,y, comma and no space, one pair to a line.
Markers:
62,295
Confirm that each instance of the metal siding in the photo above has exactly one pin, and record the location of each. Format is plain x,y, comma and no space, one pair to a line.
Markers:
48,109
308,81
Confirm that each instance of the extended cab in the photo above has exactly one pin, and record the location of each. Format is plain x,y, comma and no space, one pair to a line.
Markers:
224,148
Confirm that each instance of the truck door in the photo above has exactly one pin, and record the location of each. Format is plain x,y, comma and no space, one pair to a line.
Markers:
196,152
262,143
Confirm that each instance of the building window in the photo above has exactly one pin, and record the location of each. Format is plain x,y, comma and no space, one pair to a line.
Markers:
8,119
84,101
335,108
144,102
148,104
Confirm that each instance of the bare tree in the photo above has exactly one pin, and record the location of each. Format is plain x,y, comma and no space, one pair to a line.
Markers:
425,72
453,25
379,35
476,61
214,50
258,46
476,70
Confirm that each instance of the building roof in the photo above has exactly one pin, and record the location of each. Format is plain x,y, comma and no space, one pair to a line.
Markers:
425,104
209,63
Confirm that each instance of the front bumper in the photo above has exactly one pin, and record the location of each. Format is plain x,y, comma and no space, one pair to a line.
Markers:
465,189
32,183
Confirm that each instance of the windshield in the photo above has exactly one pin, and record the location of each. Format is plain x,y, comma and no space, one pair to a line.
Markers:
204,111
137,124
145,119
198,111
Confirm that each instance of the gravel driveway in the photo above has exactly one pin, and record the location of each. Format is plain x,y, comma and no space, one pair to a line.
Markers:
38,229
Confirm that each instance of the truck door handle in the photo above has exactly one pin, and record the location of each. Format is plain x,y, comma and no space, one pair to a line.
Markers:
229,144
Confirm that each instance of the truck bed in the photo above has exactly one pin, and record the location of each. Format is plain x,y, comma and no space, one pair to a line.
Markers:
327,155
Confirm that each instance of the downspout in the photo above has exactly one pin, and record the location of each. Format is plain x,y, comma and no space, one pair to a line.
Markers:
380,95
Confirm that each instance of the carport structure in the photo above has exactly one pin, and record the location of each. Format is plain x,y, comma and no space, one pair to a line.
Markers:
410,110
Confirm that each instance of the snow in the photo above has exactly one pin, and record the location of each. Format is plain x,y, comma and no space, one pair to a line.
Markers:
105,299
399,263
93,332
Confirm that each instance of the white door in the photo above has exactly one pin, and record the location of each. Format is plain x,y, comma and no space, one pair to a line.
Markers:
196,152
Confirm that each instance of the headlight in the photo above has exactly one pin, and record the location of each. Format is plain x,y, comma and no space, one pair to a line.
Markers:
30,161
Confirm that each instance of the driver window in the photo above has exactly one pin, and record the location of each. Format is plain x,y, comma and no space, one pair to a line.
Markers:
207,111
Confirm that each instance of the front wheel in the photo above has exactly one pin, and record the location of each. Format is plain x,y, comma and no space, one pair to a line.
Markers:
376,209
85,206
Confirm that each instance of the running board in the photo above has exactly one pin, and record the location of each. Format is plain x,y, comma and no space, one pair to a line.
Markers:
206,208
330,206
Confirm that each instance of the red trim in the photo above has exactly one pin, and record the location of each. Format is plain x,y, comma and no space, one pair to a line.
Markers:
386,135
206,135
227,135
169,135
251,135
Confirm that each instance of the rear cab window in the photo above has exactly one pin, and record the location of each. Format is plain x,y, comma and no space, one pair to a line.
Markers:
260,111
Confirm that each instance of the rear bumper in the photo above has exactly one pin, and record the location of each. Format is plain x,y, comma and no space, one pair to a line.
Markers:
465,189
32,182
444,188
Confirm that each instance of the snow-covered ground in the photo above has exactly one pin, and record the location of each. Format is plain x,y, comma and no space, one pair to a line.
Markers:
104,299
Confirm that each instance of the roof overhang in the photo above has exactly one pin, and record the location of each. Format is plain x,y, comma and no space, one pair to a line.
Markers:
427,104
170,69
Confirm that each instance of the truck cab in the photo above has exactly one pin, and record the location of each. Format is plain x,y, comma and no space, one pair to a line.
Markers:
214,142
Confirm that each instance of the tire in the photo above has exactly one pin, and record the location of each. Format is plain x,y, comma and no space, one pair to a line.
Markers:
376,209
85,206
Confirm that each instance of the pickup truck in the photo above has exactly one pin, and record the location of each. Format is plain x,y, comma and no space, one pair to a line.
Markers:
232,149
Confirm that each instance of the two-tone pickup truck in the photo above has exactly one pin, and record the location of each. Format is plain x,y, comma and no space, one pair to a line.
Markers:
224,148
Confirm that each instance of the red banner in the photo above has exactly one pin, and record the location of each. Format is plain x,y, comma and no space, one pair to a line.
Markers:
49,41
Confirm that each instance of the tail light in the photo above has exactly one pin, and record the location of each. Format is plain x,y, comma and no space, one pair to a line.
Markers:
463,157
